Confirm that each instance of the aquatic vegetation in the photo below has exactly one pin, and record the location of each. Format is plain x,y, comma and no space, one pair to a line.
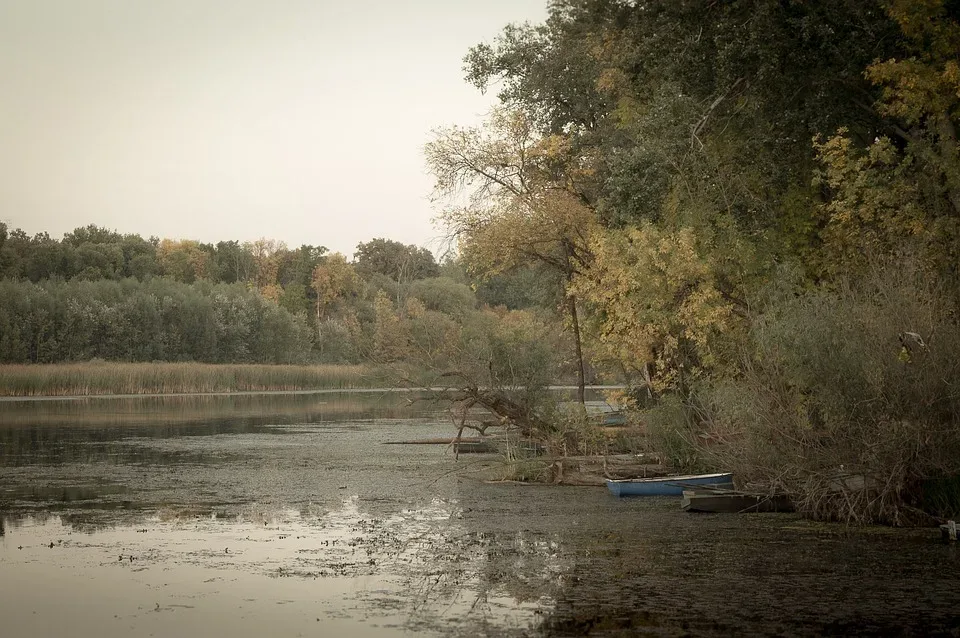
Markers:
100,377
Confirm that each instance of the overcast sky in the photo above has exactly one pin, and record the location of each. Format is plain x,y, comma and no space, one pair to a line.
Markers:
297,120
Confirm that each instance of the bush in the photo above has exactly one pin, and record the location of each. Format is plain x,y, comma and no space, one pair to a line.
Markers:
837,403
676,427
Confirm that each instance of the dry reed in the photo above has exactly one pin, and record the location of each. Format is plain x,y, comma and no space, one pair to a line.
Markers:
99,378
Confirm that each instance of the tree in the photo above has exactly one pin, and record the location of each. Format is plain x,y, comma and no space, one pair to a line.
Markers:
524,206
297,266
92,234
182,260
42,257
667,121
657,307
139,257
712,102
389,332
922,91
159,319
332,280
400,262
232,263
533,286
444,295
267,254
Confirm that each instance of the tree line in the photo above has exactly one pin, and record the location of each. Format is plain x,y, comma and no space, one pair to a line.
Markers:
97,294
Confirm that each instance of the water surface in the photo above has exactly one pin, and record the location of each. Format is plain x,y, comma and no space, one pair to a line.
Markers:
286,515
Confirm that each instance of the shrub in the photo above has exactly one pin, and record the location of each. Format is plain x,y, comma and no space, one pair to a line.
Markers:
835,402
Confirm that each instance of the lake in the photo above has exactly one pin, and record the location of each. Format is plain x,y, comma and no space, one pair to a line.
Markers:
286,515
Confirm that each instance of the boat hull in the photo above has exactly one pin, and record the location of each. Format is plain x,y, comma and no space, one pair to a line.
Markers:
666,485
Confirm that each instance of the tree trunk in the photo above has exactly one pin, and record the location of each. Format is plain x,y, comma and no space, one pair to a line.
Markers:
319,328
575,322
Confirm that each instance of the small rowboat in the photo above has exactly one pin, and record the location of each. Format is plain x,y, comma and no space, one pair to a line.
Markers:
666,485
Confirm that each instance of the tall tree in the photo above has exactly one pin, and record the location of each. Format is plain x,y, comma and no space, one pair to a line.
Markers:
182,260
232,262
685,126
400,262
332,280
267,255
523,203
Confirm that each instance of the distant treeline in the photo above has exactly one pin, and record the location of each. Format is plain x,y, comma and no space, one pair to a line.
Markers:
97,294
282,274
154,320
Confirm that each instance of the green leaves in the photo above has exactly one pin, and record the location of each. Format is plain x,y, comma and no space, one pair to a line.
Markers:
395,260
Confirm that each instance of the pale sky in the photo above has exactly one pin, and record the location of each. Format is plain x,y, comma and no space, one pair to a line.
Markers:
297,120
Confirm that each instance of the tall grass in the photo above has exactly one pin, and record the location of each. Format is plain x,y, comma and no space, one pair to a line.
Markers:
97,378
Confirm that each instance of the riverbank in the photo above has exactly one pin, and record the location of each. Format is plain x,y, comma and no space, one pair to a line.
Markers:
97,378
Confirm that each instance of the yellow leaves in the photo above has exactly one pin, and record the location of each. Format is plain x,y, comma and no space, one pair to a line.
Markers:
926,23
332,280
523,205
413,308
184,260
526,231
951,76
612,80
273,292
875,207
553,146
265,254
389,338
654,300
913,16
927,84
914,89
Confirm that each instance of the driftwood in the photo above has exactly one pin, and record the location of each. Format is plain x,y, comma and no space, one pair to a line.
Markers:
509,412
593,470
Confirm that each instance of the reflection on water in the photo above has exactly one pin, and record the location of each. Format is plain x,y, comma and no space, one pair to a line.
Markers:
287,515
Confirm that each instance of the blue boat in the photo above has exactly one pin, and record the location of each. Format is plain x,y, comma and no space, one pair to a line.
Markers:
613,418
666,485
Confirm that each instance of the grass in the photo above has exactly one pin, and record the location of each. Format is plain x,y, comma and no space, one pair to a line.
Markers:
101,377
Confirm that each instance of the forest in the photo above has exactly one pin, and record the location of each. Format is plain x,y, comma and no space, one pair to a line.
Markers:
748,211
97,294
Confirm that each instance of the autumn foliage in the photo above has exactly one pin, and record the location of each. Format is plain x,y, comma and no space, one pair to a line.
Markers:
680,165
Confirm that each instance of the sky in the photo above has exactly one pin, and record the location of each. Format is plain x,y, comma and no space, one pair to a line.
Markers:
297,120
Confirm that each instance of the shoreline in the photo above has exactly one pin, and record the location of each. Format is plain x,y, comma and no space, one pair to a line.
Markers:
12,398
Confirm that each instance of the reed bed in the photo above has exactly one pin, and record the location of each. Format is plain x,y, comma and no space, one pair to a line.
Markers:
99,378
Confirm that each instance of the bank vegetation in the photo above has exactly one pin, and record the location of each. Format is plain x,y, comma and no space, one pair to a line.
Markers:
753,210
108,377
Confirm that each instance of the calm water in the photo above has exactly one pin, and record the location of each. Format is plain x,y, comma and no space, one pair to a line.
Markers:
287,515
